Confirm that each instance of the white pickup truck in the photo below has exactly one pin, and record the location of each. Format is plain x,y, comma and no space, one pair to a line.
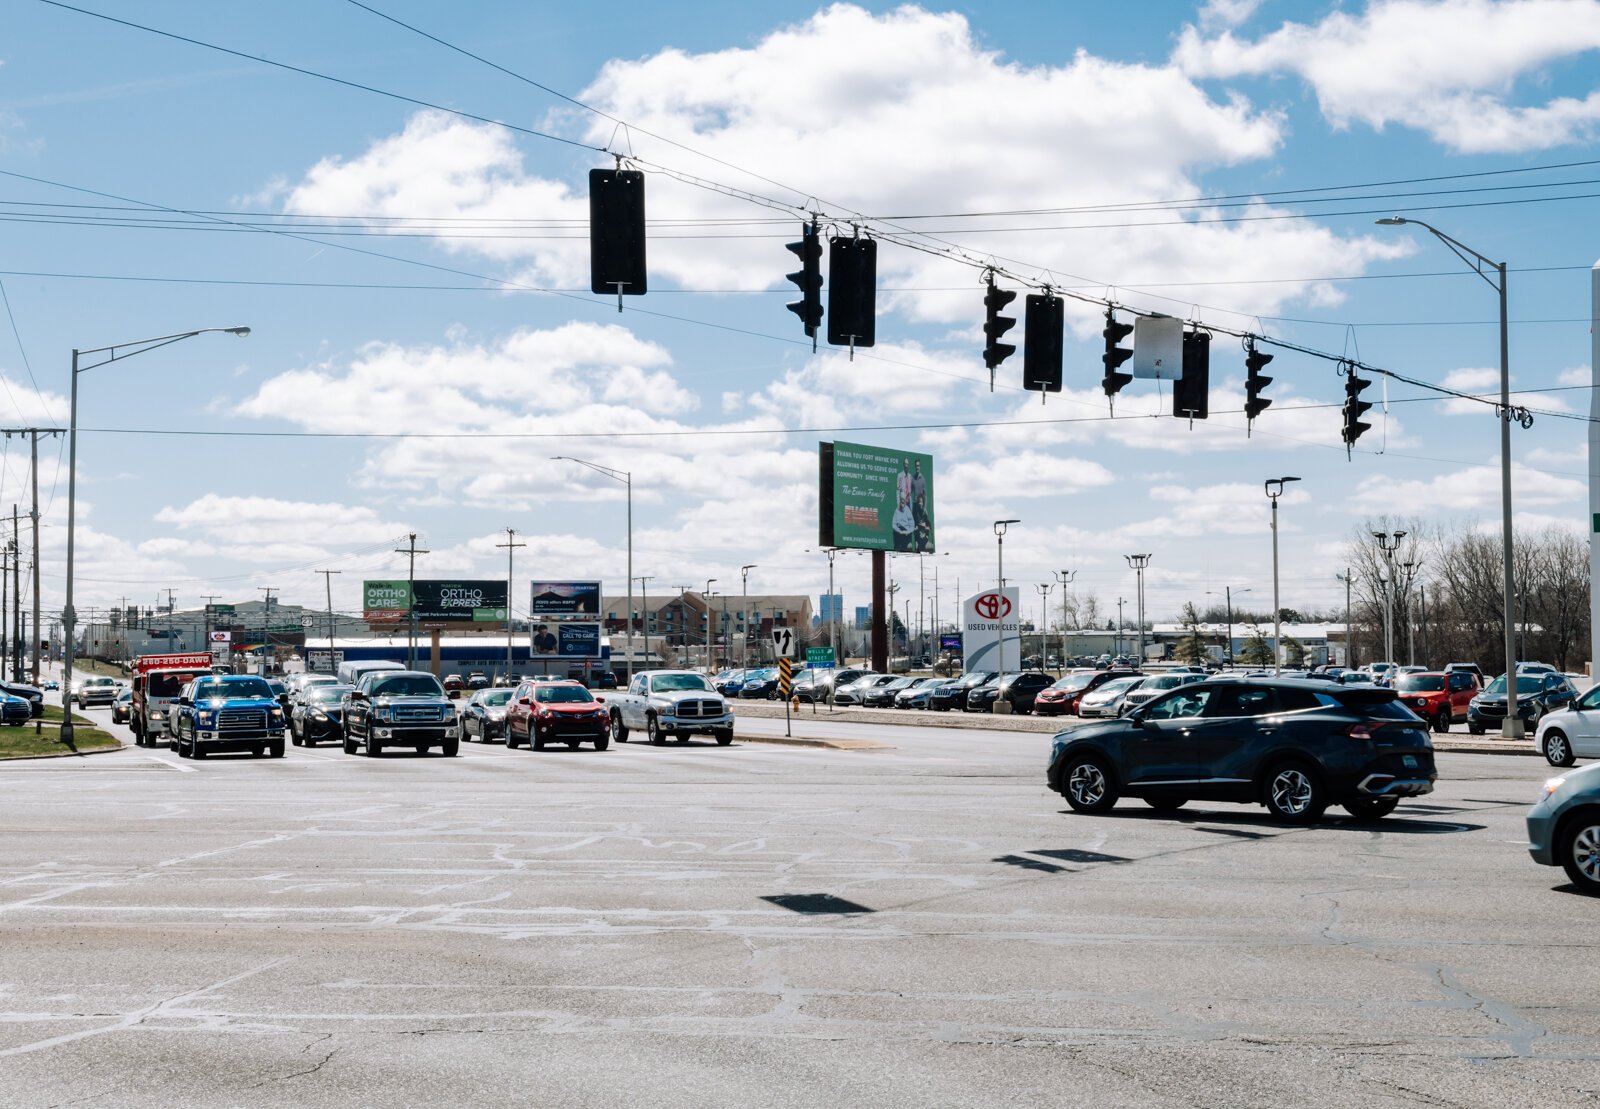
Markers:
662,702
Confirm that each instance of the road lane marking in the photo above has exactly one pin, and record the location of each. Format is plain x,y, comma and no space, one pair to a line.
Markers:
174,765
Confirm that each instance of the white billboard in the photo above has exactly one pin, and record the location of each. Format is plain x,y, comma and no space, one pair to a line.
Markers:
990,636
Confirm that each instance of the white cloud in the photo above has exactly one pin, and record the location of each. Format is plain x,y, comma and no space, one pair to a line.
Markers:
249,522
1578,375
1473,489
1486,383
1226,13
1447,67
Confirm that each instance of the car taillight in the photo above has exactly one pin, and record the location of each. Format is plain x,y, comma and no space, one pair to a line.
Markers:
1364,730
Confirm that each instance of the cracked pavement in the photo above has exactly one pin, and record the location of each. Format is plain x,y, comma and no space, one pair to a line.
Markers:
759,925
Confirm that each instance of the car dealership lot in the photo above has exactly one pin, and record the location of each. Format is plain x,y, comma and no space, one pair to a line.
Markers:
752,924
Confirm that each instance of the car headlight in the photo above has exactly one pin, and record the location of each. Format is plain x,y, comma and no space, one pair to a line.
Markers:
1553,784
157,714
318,714
381,712
277,714
497,714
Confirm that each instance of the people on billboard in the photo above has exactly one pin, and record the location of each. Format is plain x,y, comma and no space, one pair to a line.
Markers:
903,523
544,640
922,526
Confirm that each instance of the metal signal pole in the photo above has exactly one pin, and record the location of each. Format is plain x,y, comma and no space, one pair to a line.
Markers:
411,552
511,546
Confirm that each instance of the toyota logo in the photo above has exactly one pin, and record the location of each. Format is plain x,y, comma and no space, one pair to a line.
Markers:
992,606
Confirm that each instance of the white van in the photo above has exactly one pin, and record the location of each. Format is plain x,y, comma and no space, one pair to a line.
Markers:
350,672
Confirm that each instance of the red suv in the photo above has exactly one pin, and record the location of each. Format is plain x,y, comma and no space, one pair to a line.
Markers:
1062,698
552,711
1439,698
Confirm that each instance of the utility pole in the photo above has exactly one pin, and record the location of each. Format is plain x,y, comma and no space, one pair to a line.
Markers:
171,633
266,626
706,598
34,515
1118,648
1389,543
1065,578
5,588
16,591
511,546
1349,630
1411,625
327,581
1044,620
644,611
1277,643
1422,592
744,602
411,552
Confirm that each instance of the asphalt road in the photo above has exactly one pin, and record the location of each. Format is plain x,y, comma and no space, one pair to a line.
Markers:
768,926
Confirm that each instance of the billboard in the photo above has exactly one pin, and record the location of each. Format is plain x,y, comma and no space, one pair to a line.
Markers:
565,640
875,498
465,602
990,636
950,643
564,598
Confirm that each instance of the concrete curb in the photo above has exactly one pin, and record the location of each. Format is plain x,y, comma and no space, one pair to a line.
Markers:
1481,747
803,741
67,754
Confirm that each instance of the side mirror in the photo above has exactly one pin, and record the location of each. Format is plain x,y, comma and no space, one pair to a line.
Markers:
524,701
184,701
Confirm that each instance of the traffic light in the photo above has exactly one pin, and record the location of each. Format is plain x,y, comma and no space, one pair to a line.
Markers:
616,233
1191,393
1254,382
1354,408
1115,356
809,278
996,325
852,291
1041,345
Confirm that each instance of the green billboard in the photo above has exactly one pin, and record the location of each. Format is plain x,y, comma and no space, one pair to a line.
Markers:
383,601
875,498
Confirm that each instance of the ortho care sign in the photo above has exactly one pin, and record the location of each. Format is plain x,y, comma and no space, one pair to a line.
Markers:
990,636
458,601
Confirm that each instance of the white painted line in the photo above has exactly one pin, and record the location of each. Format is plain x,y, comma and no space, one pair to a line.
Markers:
174,765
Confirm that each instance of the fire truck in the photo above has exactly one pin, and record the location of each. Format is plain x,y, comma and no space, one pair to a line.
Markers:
156,682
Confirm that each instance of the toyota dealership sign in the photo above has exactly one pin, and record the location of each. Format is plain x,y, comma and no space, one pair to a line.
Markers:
990,636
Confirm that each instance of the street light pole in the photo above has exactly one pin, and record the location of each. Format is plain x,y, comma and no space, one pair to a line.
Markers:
1349,633
1139,562
1511,728
626,478
69,617
1277,646
1000,595
644,617
511,546
1065,578
1044,620
706,596
1388,543
1227,594
744,602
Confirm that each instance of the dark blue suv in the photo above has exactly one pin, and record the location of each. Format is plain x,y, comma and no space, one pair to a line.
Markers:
228,712
1294,746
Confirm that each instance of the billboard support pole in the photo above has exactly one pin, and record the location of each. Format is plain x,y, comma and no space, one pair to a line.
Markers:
880,624
1594,470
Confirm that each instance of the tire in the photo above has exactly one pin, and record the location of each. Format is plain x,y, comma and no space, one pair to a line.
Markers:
653,730
275,748
1475,729
1371,808
139,737
294,735
1087,785
682,737
1293,793
195,750
619,730
601,742
1557,749
1166,804
374,748
258,750
724,737
572,744
1579,849
1442,721
450,748
512,742
350,746
536,743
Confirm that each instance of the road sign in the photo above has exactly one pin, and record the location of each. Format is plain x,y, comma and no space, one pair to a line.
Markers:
785,678
223,610
221,639
819,656
783,642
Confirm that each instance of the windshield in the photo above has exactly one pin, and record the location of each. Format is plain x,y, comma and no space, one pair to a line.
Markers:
665,683
1165,681
249,687
1121,685
407,685
169,683
1525,686
1421,683
494,696
1074,682
326,694
561,694
900,683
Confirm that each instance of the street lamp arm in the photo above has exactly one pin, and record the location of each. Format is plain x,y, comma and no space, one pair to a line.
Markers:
1461,250
140,346
624,476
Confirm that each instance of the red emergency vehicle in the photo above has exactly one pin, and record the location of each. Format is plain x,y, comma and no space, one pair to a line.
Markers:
156,682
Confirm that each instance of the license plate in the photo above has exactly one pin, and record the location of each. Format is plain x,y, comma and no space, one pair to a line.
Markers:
1410,761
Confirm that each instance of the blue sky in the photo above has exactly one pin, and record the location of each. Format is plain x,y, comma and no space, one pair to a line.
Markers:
890,111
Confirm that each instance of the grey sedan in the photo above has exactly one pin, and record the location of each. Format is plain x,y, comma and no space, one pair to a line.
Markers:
1564,827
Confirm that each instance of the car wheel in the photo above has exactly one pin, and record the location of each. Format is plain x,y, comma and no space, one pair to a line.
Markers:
258,750
652,729
1579,848
1294,793
682,737
536,743
1441,722
1087,785
619,730
1371,808
374,748
195,750
1475,729
572,744
275,748
349,746
724,737
450,748
1166,804
1557,749
601,742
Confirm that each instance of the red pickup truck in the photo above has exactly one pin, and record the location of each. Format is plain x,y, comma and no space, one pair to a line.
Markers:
1438,698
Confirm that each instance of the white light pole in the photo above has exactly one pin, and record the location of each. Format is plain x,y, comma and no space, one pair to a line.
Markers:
1000,596
626,477
1065,578
1139,562
1389,543
1227,594
511,546
68,615
707,596
1512,727
1273,494
744,602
